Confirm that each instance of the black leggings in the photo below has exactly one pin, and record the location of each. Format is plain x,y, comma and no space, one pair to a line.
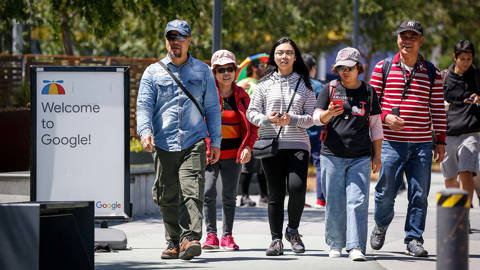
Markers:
286,171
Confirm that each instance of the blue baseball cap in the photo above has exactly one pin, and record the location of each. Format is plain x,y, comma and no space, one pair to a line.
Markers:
180,26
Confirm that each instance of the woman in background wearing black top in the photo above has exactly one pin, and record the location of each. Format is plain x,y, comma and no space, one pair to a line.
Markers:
461,91
350,112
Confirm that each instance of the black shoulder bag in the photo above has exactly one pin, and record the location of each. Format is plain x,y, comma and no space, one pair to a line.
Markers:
180,84
265,148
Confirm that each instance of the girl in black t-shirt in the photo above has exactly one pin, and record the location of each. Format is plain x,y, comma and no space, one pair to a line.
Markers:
352,135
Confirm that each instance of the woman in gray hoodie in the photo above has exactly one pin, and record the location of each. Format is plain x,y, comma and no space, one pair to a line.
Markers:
286,77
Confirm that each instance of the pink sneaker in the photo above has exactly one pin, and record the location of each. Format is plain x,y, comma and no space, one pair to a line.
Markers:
228,243
211,242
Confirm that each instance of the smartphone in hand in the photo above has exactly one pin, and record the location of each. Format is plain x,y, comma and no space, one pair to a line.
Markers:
338,103
469,99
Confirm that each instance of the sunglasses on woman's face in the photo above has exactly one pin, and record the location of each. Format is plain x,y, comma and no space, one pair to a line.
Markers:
223,70
344,68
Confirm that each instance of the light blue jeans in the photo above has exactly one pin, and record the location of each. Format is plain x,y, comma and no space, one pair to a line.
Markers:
345,184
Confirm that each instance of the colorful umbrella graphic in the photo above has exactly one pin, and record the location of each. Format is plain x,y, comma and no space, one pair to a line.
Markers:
53,88
242,72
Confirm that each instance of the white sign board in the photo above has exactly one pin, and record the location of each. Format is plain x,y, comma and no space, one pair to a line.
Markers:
80,136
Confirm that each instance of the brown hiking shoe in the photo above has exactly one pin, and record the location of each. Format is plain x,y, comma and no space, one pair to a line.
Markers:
189,248
171,252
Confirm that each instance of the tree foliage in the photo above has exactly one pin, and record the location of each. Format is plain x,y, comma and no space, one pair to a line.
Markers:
134,28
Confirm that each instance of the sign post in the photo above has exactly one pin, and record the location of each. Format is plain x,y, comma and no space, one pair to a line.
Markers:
80,138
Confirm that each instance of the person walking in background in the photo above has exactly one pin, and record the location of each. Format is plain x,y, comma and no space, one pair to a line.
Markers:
462,96
255,71
174,126
283,102
411,99
314,131
350,113
238,137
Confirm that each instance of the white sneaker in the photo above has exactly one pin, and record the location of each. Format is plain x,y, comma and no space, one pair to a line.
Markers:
335,253
356,255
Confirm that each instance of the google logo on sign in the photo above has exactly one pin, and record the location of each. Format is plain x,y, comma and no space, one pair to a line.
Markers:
113,206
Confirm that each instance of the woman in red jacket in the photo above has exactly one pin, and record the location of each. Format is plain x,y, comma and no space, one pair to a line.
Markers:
238,137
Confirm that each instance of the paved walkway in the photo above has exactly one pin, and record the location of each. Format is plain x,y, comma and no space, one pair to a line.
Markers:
146,242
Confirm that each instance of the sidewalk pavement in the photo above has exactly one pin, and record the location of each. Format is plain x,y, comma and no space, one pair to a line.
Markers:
146,241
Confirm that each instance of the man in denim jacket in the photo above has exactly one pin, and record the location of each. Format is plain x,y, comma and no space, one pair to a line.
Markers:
170,125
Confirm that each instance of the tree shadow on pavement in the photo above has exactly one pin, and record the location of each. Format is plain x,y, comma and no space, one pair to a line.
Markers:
399,256
261,214
142,266
237,258
309,254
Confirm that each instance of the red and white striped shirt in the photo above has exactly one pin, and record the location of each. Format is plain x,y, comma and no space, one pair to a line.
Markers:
414,109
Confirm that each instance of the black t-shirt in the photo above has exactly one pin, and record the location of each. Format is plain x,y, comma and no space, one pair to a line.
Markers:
348,134
462,117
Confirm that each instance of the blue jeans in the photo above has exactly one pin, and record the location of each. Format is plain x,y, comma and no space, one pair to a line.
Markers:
345,184
415,160
316,146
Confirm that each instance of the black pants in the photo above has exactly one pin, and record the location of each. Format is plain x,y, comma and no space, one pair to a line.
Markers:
248,169
286,171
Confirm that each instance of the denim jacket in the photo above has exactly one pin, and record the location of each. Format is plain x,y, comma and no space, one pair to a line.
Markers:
164,110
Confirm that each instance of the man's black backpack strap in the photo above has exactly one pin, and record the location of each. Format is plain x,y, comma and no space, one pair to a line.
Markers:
180,84
432,74
387,64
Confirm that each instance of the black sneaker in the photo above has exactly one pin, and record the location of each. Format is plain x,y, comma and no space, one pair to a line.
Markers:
246,201
276,248
295,240
377,238
416,249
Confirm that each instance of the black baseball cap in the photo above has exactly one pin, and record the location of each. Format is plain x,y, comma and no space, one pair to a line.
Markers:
410,25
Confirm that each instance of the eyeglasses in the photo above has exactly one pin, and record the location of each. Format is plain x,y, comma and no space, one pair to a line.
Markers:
179,37
223,70
288,53
345,68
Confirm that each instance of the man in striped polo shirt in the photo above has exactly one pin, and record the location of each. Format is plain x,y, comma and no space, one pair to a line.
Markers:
411,106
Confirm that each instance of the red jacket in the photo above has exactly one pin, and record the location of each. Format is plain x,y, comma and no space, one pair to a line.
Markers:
248,130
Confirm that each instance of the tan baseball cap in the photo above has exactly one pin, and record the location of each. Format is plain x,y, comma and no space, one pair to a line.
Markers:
223,57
